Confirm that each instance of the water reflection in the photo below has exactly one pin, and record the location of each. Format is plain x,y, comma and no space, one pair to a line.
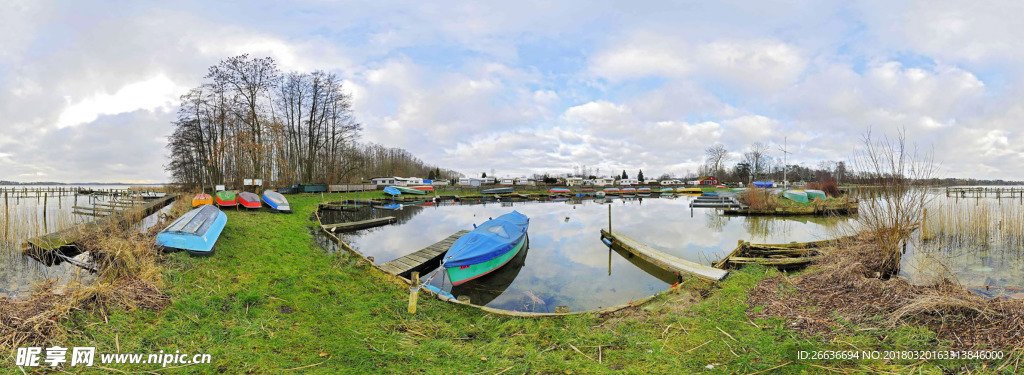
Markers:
567,262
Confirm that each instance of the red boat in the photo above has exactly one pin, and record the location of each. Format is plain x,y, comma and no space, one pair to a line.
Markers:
249,200
424,188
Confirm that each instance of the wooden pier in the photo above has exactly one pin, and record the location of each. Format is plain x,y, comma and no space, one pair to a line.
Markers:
669,262
998,192
44,248
422,260
357,225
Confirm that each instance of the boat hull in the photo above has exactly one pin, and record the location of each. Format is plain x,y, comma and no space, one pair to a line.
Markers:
249,200
462,274
201,199
412,191
276,201
504,190
796,196
815,194
195,232
393,191
226,199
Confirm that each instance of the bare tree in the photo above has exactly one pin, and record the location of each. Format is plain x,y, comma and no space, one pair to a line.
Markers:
715,156
757,159
901,178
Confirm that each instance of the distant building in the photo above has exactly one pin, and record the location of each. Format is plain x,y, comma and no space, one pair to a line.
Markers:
440,182
628,181
574,181
507,181
671,182
709,180
604,181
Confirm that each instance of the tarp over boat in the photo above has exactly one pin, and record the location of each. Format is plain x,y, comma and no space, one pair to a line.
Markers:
489,240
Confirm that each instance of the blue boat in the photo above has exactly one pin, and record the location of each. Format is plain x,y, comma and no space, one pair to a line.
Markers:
708,194
487,248
196,231
391,190
276,201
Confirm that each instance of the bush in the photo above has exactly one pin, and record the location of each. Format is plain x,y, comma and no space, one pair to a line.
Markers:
826,184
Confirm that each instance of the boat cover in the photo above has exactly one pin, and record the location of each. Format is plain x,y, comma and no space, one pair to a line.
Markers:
489,240
764,184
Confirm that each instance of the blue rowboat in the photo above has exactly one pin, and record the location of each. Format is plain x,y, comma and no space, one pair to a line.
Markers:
196,231
391,190
486,248
276,201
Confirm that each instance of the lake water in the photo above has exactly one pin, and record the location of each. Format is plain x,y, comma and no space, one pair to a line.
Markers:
991,265
23,218
566,262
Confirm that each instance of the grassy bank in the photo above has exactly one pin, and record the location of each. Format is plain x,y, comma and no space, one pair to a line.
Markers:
272,300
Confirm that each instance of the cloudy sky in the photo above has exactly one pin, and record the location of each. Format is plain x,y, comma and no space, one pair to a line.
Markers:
88,89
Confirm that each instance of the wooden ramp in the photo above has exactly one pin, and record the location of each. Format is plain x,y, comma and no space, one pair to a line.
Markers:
664,260
356,225
425,259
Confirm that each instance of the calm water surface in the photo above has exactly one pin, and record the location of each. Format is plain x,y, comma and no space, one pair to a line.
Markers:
566,262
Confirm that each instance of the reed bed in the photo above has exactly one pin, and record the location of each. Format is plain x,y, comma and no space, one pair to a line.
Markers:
759,199
981,224
129,277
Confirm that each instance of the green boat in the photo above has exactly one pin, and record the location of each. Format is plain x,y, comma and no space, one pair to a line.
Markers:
226,198
412,191
487,248
815,194
796,196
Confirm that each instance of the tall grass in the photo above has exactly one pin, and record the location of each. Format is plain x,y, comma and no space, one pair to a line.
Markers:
981,223
759,199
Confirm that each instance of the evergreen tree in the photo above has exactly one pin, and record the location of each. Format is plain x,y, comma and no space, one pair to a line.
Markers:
640,176
484,175
430,176
624,175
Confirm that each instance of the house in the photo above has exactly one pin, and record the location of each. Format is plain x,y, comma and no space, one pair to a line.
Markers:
709,180
507,181
465,181
574,181
523,181
440,182
410,180
628,181
604,181
671,182
488,181
383,181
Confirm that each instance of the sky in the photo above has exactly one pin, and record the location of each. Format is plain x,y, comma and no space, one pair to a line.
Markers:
88,90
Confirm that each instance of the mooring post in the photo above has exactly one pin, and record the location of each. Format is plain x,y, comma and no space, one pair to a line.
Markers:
414,291
609,219
45,195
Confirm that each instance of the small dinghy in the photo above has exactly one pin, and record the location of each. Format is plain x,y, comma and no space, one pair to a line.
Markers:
424,188
393,191
276,201
486,248
196,231
201,199
796,196
501,190
815,194
249,200
226,198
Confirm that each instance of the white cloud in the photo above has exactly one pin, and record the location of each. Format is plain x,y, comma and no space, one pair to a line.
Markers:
765,65
153,93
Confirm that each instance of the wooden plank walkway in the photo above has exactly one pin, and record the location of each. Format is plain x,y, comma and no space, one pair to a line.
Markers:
423,259
669,262
356,225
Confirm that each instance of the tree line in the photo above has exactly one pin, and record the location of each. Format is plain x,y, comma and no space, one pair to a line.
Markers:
250,120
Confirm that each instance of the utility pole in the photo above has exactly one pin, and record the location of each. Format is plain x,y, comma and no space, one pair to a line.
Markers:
785,163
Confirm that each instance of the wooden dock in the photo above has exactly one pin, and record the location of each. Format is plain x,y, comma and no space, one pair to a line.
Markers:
422,260
357,225
669,262
998,192
43,248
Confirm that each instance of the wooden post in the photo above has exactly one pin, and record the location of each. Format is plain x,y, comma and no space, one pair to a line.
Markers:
924,222
414,291
7,216
45,195
609,219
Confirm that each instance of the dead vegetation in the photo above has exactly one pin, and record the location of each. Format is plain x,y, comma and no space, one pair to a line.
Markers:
845,286
759,199
129,277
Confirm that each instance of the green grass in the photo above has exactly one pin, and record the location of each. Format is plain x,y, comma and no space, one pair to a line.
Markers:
271,299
